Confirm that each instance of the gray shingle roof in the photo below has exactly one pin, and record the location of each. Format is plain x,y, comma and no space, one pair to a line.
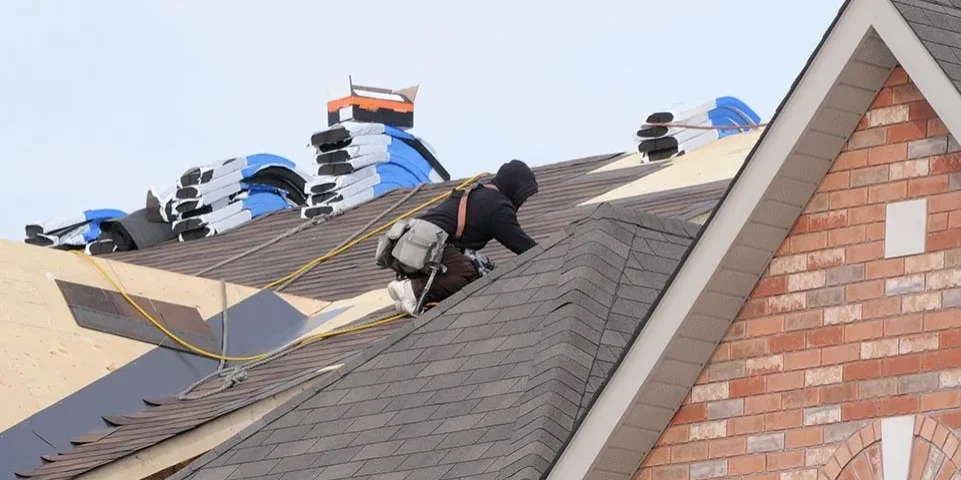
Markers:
937,24
489,384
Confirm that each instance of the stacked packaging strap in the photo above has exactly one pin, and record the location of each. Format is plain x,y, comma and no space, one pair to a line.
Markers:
76,232
357,162
728,115
205,201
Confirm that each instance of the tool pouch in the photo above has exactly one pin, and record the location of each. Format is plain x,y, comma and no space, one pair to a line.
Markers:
420,246
385,246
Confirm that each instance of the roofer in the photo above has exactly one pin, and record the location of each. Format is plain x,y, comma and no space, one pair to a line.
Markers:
437,252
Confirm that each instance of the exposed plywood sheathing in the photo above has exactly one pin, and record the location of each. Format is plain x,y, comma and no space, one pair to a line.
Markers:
717,161
47,355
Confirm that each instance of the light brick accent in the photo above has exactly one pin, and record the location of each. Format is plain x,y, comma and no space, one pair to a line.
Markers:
834,336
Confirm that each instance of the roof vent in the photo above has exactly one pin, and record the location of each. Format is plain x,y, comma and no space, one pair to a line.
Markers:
357,103
685,128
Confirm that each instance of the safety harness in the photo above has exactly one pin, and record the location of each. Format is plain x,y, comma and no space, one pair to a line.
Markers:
416,247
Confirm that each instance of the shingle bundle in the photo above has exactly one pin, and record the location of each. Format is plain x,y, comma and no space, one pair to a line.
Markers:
211,199
356,162
662,142
73,232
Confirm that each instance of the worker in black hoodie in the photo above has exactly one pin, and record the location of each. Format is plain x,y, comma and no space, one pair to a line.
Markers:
491,213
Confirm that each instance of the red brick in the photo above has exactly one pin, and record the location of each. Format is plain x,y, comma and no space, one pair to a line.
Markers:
903,365
906,93
903,132
947,163
755,307
745,425
659,456
920,187
866,214
817,203
840,354
938,222
786,342
856,292
864,330
949,339
763,326
786,303
943,240
892,267
899,405
883,99
762,404
785,460
782,420
882,307
888,192
944,202
954,219
864,253
852,159
902,325
807,242
689,452
807,437
744,387
867,137
859,410
691,414
727,447
781,382
816,222
846,236
941,360
832,394
749,348
848,198
937,127
950,419
802,359
768,286
942,320
874,231
921,109
835,181
890,153
675,434
941,400
827,258
803,320
898,77
862,370
806,397
745,465
825,336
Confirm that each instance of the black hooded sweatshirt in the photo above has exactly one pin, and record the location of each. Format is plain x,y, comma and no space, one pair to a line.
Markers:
491,214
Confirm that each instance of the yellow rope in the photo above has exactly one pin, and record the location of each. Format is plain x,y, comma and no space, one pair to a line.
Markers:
217,356
380,229
305,340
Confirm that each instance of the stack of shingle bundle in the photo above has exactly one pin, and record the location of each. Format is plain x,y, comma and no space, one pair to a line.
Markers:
367,151
74,232
717,119
210,200
357,162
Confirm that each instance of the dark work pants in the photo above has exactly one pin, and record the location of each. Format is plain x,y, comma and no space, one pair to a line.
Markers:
460,272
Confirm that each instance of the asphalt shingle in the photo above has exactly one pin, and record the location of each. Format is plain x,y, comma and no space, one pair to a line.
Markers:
493,386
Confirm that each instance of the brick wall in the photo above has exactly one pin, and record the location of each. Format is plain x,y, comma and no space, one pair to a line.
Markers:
835,336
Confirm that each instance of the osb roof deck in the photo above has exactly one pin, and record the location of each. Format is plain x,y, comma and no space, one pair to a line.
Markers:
562,187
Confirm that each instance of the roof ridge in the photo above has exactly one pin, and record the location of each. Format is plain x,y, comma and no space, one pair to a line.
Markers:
569,341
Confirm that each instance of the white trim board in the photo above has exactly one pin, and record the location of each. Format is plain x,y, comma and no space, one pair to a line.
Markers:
832,94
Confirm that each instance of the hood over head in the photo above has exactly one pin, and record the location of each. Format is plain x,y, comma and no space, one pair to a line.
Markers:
516,180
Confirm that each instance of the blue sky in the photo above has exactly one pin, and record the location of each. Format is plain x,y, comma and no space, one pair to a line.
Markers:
100,99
